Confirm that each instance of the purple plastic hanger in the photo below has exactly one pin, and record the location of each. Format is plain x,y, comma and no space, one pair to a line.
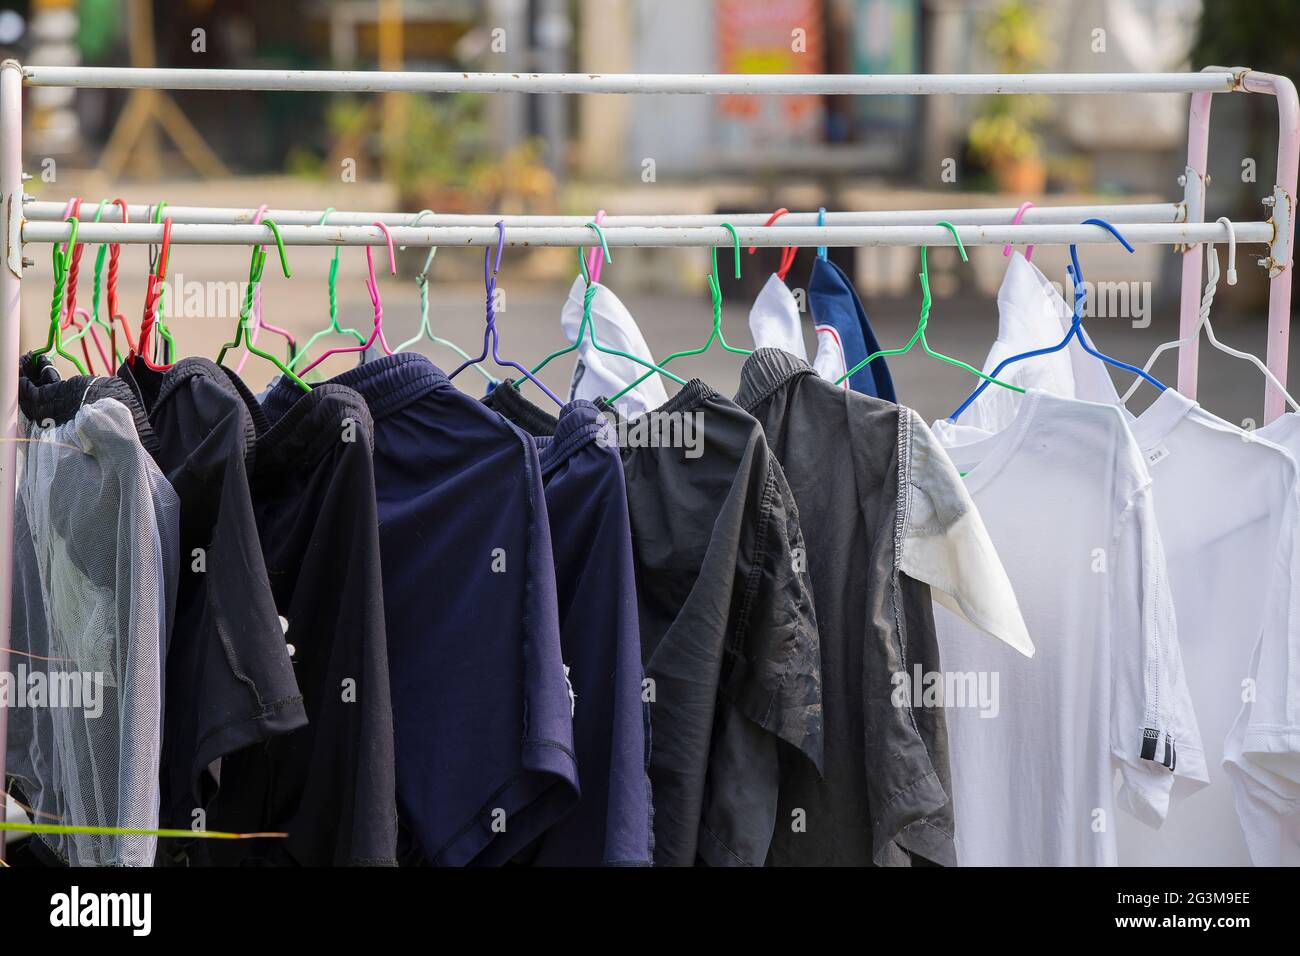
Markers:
490,331
372,285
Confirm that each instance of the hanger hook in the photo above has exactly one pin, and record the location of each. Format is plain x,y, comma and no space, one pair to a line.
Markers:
770,219
1232,248
392,256
491,273
165,249
279,244
604,246
953,229
821,221
1015,221
1111,229
428,260
735,245
596,259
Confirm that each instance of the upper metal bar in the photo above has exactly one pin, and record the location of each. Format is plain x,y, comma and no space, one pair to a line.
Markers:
446,236
99,77
41,211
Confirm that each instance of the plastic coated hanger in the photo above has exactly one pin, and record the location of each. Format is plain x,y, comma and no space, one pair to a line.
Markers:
1076,326
259,320
919,334
255,267
787,254
152,304
333,325
62,259
490,335
93,323
587,326
715,334
1015,221
1203,321
596,258
424,329
372,286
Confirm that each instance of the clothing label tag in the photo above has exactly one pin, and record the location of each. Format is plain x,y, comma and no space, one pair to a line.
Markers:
1157,454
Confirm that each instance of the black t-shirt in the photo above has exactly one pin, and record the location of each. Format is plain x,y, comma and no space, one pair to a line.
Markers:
329,785
229,681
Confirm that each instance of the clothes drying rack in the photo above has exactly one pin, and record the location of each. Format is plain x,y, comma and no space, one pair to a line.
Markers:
1180,224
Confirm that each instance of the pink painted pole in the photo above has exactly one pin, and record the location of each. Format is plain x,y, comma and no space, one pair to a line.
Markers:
1198,147
1284,211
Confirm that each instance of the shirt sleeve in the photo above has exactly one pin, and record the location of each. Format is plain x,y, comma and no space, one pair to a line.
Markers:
946,545
1153,733
1272,726
771,685
1262,752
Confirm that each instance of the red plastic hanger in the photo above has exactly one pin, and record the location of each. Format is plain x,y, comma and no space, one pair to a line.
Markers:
787,254
152,293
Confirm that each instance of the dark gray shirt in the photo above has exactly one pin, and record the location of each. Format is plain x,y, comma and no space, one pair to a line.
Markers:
884,515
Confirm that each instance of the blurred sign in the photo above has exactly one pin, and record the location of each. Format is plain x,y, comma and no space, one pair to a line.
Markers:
770,36
886,39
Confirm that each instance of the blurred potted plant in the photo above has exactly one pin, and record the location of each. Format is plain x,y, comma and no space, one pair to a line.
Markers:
1002,136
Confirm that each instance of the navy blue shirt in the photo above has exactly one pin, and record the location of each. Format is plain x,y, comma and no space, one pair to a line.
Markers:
481,707
592,541
834,303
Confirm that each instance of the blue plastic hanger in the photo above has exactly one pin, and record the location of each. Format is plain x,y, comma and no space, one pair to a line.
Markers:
1076,326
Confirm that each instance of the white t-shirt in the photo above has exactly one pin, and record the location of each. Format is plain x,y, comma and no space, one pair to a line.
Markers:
774,319
774,322
1033,315
1225,506
598,374
1066,499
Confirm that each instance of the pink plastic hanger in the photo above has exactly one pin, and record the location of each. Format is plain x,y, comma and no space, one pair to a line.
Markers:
372,284
596,257
258,322
1015,221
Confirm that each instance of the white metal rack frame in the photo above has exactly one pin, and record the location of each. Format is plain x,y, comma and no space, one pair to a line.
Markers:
1181,224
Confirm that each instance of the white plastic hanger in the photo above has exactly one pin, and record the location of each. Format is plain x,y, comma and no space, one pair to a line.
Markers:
1203,322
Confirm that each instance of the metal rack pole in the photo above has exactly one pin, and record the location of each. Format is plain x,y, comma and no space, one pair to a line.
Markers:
646,237
1120,213
11,284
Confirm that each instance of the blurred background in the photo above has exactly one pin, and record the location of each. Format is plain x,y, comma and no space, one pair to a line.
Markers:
658,154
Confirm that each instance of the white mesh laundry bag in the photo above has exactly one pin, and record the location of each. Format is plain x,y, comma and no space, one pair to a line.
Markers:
96,541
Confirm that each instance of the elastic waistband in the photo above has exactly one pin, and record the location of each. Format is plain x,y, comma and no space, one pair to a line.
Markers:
42,399
388,384
508,402
581,423
765,371
317,422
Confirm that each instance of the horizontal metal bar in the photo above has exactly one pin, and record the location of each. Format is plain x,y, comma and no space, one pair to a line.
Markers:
729,83
41,211
701,236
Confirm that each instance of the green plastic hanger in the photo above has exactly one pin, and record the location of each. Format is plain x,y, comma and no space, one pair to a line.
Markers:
587,326
161,323
333,325
715,292
422,280
62,258
919,334
241,331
